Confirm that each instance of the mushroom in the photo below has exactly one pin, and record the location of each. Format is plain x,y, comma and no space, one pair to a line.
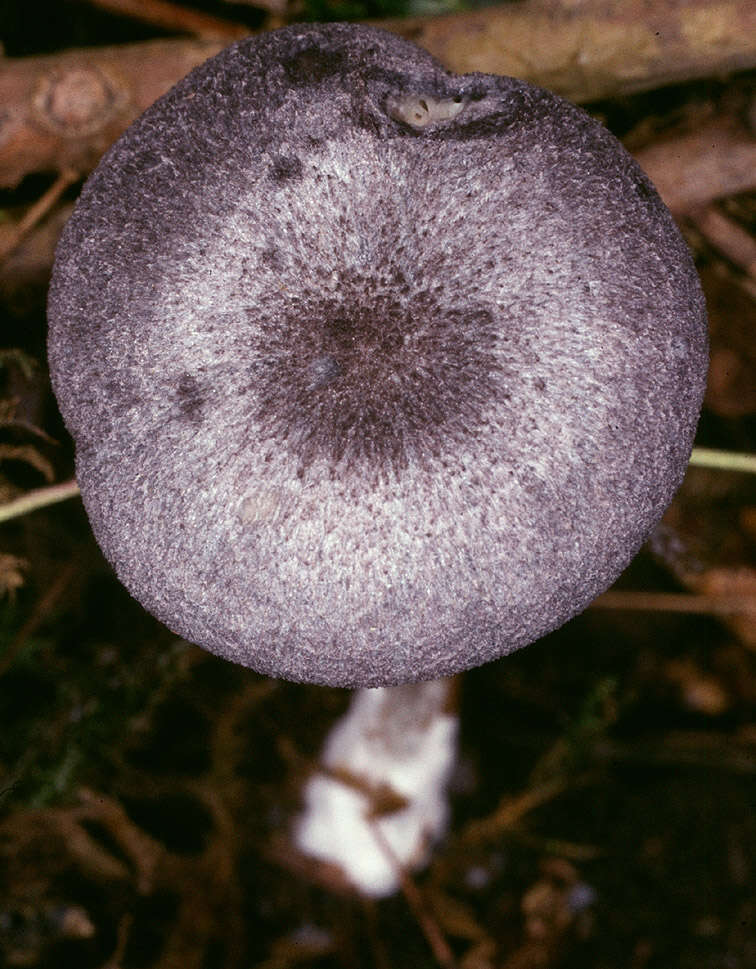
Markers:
375,372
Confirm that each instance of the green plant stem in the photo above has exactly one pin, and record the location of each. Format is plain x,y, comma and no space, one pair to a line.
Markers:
702,457
707,457
38,499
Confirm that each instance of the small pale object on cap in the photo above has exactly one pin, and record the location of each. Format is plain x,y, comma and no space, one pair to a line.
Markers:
375,372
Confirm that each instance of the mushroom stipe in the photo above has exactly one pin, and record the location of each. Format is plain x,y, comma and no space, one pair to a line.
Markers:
375,372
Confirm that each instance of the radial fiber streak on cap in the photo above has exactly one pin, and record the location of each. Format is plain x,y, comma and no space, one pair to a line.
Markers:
375,372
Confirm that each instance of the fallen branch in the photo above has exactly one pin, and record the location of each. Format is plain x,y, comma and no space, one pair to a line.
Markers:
728,238
175,16
594,49
63,111
692,170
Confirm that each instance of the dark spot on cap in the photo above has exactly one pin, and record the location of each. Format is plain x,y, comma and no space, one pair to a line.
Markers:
312,65
191,398
272,257
284,168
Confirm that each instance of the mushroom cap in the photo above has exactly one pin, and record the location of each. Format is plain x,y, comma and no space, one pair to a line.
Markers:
375,372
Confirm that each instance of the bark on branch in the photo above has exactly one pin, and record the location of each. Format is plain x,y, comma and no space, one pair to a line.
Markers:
594,49
694,169
63,111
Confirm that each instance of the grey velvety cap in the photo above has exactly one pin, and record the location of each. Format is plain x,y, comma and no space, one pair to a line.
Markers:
375,372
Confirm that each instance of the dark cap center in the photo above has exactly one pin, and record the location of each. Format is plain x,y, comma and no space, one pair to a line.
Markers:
370,382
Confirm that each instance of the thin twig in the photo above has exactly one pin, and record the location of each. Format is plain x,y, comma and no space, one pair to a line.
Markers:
635,601
38,211
42,610
173,16
431,930
727,236
711,750
38,498
123,931
511,810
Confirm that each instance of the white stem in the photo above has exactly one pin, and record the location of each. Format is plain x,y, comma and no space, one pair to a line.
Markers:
378,801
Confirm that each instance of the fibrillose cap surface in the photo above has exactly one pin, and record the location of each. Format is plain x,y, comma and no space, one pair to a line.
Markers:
375,372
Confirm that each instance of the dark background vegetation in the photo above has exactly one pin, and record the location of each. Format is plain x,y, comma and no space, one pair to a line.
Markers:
603,804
